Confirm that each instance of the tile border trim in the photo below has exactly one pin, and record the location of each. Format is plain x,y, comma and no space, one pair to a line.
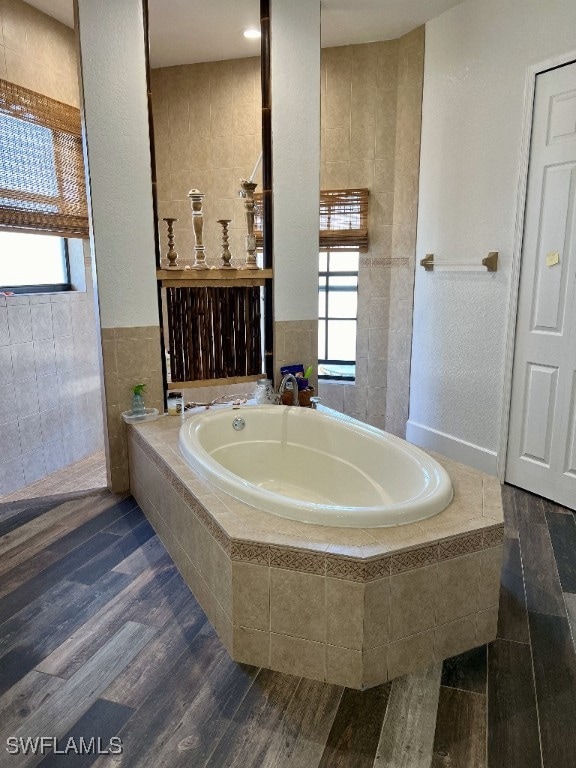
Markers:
325,564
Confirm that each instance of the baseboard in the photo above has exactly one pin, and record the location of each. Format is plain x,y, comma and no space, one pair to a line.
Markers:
453,448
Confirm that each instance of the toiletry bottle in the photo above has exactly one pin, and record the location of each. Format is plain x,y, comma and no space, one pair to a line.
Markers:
175,403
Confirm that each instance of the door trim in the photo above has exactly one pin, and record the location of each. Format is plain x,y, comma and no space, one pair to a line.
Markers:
529,91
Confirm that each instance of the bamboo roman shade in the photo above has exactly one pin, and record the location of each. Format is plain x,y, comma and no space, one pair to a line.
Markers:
42,185
343,219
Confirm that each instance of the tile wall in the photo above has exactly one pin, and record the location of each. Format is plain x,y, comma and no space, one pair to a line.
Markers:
371,114
38,52
206,118
130,356
207,136
50,394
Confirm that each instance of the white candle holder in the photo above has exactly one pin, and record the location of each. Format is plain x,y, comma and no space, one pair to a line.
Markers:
196,200
248,188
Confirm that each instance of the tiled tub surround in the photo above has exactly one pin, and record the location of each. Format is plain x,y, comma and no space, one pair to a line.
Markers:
354,607
50,393
129,356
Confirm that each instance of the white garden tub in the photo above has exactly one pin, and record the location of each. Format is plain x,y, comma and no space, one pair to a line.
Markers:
314,467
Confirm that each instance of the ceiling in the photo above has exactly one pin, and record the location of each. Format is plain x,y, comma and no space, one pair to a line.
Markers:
189,31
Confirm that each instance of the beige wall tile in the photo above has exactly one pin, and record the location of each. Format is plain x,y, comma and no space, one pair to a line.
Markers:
344,613
251,602
39,53
343,666
375,666
222,625
455,637
336,175
412,598
117,451
130,356
251,646
297,604
119,479
458,581
376,613
220,577
337,145
486,625
297,657
201,551
16,17
3,71
214,130
411,653
337,104
489,582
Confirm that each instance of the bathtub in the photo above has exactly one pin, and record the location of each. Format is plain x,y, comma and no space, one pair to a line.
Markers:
314,466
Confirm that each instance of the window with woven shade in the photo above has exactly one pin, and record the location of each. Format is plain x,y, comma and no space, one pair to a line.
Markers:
343,219
343,236
42,185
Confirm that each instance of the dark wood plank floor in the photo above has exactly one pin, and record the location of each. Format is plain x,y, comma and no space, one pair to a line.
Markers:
99,637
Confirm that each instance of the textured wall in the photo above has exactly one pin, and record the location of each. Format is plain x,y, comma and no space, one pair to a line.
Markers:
476,59
37,52
113,73
207,136
295,87
118,148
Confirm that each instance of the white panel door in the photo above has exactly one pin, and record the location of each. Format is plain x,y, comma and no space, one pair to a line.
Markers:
542,439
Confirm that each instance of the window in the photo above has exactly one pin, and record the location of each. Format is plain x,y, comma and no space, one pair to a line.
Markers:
343,235
337,312
33,263
42,187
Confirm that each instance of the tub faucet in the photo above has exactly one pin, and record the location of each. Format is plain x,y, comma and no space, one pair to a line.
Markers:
290,377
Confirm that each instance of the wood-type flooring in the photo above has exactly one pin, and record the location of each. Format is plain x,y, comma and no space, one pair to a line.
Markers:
100,637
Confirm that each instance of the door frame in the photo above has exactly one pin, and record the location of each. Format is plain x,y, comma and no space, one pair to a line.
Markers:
529,92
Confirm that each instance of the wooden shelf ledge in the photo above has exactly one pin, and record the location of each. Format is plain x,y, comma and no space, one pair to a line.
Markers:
191,278
214,382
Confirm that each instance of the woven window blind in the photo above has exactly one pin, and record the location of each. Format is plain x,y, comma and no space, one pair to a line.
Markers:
343,219
42,185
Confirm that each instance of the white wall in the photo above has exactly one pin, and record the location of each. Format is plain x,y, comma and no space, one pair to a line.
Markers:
111,36
295,74
477,55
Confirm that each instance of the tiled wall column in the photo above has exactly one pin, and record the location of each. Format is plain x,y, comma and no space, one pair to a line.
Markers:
115,111
130,356
406,176
371,114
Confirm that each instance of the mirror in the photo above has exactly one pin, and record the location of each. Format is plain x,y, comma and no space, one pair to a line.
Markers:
206,103
371,95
